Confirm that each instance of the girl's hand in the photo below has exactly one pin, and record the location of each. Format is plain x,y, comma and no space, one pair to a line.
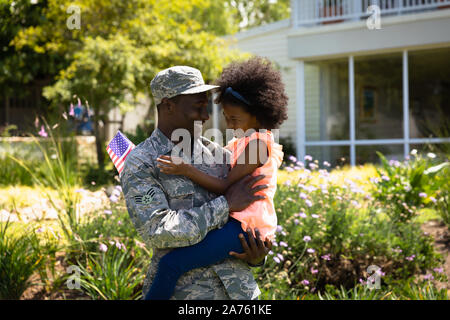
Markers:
172,165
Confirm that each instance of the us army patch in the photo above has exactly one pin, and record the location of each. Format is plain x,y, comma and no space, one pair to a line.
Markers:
146,198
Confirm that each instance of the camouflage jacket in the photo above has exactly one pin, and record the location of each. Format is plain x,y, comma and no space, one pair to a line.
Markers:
171,211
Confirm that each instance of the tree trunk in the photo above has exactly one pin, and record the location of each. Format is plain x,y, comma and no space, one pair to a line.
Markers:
99,145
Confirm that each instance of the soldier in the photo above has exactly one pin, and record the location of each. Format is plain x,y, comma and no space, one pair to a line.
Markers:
171,211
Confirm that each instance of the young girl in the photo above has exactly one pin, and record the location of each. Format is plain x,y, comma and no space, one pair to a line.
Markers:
252,96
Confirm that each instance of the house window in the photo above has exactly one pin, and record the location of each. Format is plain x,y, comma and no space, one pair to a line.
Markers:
429,93
368,153
326,94
391,103
378,97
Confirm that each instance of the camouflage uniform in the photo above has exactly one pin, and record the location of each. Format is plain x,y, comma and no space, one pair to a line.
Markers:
171,211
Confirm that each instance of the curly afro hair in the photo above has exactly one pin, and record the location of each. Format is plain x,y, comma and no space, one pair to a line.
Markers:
260,84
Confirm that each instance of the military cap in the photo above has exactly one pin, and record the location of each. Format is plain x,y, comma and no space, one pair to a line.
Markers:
178,80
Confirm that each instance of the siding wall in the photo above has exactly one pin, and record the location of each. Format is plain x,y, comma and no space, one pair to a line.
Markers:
273,45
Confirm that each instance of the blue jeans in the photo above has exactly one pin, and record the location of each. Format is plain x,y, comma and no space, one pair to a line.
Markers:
213,248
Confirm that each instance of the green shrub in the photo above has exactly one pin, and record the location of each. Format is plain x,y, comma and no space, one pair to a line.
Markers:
330,235
115,274
404,187
20,257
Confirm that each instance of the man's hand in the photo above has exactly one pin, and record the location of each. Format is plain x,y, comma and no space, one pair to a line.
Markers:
255,250
241,194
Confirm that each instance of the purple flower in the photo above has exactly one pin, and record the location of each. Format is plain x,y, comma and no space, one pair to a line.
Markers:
308,203
42,133
303,196
103,247
280,256
428,276
315,216
296,221
310,250
394,163
279,228
302,215
113,198
276,259
274,243
381,273
422,195
314,271
307,238
300,164
410,258
438,270
308,158
283,244
289,169
433,199
120,246
326,257
385,178
71,111
312,166
107,212
326,164
270,252
305,282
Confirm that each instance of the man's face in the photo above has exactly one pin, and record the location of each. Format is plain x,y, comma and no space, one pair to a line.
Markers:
189,108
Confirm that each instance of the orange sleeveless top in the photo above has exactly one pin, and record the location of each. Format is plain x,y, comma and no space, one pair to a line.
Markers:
260,214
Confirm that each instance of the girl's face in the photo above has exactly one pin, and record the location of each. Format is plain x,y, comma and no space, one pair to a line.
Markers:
237,118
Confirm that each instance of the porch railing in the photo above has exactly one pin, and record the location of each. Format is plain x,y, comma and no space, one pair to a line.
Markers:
314,12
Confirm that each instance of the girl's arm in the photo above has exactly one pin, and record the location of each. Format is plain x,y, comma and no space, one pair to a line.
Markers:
242,168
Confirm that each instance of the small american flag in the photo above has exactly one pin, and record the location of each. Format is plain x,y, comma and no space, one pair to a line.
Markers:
118,149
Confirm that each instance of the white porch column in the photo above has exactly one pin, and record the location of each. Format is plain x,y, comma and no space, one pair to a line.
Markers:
215,113
300,116
351,86
405,104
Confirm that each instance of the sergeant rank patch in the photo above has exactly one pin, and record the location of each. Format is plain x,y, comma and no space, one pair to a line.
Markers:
146,198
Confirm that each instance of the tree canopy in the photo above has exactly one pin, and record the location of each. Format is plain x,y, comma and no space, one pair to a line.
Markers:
118,46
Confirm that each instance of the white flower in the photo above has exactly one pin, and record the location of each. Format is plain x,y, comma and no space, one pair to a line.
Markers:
431,155
413,152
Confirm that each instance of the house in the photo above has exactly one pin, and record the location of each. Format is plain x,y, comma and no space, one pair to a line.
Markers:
359,77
